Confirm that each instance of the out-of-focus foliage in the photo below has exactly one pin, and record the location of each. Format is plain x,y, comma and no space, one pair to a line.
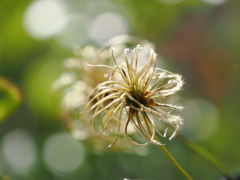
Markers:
196,38
3,177
10,98
156,17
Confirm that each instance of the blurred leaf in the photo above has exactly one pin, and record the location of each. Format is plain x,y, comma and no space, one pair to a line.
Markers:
10,98
15,42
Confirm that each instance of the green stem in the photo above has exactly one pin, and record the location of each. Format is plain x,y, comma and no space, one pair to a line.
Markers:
174,161
205,155
167,153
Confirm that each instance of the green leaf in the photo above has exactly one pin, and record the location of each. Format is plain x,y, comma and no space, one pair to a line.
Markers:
10,98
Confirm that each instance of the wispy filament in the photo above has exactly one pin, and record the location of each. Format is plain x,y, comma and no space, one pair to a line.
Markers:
132,100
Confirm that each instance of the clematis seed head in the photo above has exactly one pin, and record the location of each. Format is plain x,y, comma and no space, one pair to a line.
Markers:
131,100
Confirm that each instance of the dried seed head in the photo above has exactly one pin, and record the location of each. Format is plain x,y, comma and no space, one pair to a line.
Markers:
132,98
74,87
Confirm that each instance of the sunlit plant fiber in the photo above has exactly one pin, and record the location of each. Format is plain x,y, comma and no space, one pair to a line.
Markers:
131,99
76,83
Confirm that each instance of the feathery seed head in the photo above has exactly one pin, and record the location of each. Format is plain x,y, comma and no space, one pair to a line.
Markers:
131,100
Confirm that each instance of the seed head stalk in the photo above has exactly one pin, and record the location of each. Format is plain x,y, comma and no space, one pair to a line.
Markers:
174,161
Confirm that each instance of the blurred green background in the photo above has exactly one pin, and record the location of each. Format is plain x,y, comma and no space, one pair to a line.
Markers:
199,39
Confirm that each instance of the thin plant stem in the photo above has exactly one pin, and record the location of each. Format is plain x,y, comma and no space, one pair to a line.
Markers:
202,152
174,161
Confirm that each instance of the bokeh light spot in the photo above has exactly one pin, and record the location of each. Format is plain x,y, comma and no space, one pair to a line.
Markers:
201,118
214,1
142,151
171,1
75,32
62,154
95,7
43,19
19,150
107,25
